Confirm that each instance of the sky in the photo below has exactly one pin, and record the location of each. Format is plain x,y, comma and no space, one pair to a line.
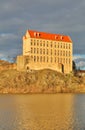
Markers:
53,16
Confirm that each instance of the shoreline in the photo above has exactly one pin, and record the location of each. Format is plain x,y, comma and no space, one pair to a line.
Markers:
30,93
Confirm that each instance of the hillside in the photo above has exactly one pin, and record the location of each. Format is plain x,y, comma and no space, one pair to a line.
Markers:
43,81
5,65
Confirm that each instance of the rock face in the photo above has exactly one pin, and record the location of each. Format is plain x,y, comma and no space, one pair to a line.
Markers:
43,81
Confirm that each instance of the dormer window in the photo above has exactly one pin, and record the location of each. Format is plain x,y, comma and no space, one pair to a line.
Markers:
62,37
38,34
56,37
35,34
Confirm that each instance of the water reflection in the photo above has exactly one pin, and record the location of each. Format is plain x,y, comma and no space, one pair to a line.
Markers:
42,112
79,112
8,113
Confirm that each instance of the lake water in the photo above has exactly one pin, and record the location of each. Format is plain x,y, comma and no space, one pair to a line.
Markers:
42,112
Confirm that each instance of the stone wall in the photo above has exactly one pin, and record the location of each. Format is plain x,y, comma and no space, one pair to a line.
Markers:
22,61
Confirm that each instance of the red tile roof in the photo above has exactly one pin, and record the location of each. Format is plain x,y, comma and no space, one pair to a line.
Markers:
49,36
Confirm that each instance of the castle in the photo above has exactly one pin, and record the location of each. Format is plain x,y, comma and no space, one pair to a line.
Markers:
43,50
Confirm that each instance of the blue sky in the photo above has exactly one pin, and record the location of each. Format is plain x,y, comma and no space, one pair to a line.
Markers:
54,16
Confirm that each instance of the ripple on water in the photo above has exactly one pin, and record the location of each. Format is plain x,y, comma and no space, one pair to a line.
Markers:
42,112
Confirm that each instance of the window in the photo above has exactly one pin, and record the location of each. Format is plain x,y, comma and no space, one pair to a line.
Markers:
47,59
66,60
34,58
69,46
43,51
55,52
69,61
44,44
27,61
47,51
58,45
34,42
51,44
34,50
63,53
37,50
40,44
66,46
55,59
66,53
40,51
69,53
37,44
37,41
37,58
58,59
44,59
51,59
31,50
40,41
61,60
61,45
31,42
41,59
51,51
58,52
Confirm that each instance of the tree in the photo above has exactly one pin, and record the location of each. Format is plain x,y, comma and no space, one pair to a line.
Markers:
74,66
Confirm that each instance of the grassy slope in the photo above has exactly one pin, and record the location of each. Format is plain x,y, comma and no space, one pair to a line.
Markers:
43,81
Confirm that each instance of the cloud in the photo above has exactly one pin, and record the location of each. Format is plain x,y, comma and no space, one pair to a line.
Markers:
5,36
55,16
81,64
9,45
80,61
76,57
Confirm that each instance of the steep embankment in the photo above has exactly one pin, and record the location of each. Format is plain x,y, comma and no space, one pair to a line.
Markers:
43,81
